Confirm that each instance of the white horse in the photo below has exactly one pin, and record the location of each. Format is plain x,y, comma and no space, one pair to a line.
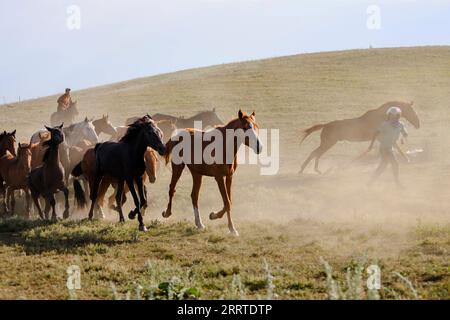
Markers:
74,134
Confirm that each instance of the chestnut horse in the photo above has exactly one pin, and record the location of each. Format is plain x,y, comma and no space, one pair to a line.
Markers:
355,129
244,129
87,168
14,171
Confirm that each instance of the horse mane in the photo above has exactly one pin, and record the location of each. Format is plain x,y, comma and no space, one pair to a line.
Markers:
133,131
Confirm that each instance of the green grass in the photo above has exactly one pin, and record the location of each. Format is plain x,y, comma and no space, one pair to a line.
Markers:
171,261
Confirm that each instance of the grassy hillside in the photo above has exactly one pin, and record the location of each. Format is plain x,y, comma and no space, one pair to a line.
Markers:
288,220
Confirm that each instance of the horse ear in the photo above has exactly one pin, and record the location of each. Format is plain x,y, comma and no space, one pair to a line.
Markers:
240,114
48,128
86,119
214,109
13,133
61,126
253,114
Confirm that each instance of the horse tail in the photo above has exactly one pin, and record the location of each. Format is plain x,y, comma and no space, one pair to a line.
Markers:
77,171
169,147
80,197
305,133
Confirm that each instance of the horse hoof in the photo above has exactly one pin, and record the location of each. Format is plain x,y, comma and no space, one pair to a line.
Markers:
212,216
142,228
66,214
166,214
132,215
200,226
234,233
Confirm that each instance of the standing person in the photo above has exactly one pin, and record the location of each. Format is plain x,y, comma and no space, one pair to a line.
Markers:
64,101
388,134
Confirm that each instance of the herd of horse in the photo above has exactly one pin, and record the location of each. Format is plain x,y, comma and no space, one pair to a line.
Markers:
58,154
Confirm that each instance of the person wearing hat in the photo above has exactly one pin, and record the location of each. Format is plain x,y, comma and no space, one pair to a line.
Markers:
64,101
388,134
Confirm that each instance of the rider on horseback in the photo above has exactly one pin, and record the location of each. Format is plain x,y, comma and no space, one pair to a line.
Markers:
64,101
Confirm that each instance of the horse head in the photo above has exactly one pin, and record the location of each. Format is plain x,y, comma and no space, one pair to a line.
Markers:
8,142
410,114
151,134
104,125
24,154
250,127
56,135
151,164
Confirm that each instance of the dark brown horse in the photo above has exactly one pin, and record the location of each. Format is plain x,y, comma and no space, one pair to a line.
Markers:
208,118
86,170
14,171
48,179
124,161
222,169
355,129
167,127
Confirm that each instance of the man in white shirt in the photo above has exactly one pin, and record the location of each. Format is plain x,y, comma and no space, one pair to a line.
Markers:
388,134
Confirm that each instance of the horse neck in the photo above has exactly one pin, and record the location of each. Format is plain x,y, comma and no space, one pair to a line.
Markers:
53,156
139,146
231,126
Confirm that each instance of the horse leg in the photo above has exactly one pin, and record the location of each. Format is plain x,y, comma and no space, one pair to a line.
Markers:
66,207
226,205
51,199
177,170
35,197
119,194
142,196
197,183
8,200
104,185
13,201
136,211
46,208
94,193
228,182
28,202
321,150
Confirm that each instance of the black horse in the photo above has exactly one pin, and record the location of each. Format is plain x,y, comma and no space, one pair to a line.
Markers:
48,179
124,161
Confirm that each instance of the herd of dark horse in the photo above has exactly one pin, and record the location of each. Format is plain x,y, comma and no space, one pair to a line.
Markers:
58,155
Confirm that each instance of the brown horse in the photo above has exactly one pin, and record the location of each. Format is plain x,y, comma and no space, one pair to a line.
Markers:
7,143
355,129
86,169
48,179
208,118
222,169
103,125
14,171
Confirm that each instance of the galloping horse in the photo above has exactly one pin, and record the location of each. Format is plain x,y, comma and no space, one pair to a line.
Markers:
86,168
245,132
14,171
124,161
355,129
208,118
67,116
48,179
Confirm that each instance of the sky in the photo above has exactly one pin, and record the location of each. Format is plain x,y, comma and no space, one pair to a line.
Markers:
47,45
